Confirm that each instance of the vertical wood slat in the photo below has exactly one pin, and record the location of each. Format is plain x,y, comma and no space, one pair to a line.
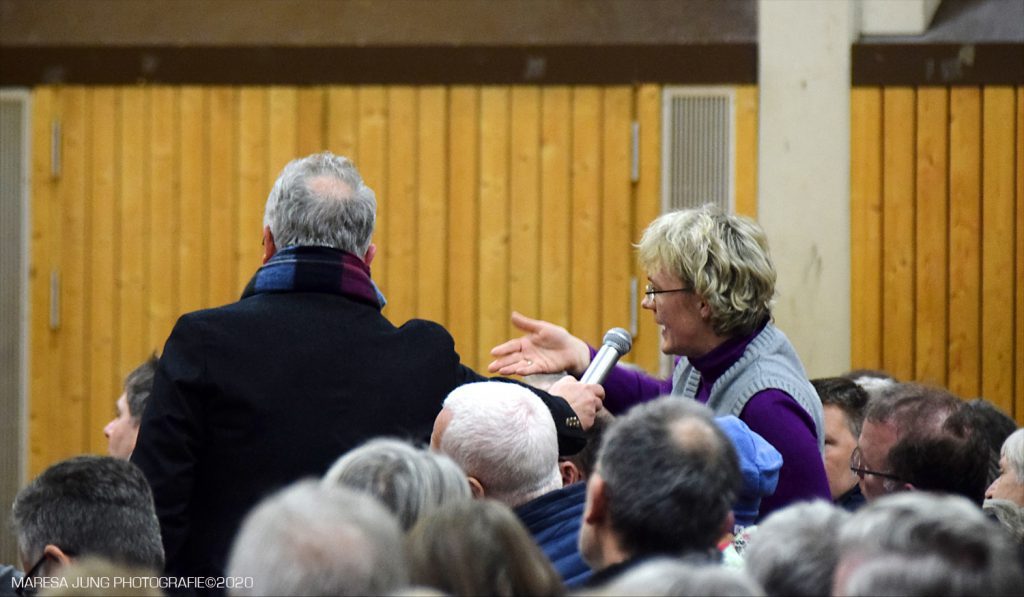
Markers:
162,220
617,259
282,135
746,150
222,167
253,118
399,245
997,250
585,291
432,205
494,219
133,285
310,125
463,212
1018,401
104,386
556,207
866,227
646,345
932,264
192,239
371,140
964,241
342,124
898,228
525,258
42,260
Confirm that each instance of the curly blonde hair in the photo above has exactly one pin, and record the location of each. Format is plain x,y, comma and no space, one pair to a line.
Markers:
723,257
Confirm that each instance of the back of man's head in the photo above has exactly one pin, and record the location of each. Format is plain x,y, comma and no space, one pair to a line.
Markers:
503,436
321,200
920,525
670,478
137,386
912,407
311,539
90,506
953,459
845,395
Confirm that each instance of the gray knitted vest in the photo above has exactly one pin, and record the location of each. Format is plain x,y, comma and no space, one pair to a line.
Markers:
769,362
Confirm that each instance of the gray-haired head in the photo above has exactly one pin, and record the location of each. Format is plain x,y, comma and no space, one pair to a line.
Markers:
137,386
795,550
1013,452
1009,514
918,524
309,539
670,476
410,481
321,200
670,576
90,506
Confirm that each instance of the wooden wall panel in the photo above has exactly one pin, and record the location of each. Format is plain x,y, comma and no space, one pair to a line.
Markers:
963,170
746,150
490,199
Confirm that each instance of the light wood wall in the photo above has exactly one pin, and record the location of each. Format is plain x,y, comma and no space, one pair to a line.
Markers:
937,219
490,199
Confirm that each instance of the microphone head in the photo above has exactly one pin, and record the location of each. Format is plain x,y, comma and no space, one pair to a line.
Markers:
619,339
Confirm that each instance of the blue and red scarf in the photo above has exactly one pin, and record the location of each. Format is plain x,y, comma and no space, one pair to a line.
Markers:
316,269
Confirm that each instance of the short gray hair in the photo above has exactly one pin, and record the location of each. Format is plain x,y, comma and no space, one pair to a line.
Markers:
670,576
918,524
1013,451
308,539
410,481
321,200
90,506
503,435
795,550
671,476
724,257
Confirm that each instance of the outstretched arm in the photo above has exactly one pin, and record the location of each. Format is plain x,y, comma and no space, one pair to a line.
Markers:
544,348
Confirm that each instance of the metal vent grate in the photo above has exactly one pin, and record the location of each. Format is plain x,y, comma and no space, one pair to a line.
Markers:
698,147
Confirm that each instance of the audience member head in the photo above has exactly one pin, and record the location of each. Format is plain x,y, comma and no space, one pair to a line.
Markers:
92,576
724,258
503,437
87,506
578,467
843,402
873,381
996,426
795,550
123,430
920,526
1010,483
903,409
409,481
665,482
1009,514
479,547
312,539
671,576
759,463
953,459
320,200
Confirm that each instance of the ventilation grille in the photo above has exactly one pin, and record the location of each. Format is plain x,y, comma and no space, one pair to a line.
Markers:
697,154
13,170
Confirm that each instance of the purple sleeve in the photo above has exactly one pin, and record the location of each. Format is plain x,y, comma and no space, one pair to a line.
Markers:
777,417
625,387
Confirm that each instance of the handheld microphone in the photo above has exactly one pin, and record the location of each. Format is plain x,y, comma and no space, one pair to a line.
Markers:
617,342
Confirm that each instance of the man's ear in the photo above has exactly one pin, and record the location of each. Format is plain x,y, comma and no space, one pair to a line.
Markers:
908,487
56,558
476,488
269,248
595,510
371,252
570,472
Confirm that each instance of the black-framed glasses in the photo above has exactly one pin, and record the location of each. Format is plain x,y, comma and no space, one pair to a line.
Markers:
27,587
857,467
650,291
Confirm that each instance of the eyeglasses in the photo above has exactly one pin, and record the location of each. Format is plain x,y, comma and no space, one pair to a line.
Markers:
27,588
649,291
856,465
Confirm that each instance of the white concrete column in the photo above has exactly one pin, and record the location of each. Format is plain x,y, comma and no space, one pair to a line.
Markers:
804,171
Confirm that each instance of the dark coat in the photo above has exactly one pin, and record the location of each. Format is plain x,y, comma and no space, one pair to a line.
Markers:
554,521
254,395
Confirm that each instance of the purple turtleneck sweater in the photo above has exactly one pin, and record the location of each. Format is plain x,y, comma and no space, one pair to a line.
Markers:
771,413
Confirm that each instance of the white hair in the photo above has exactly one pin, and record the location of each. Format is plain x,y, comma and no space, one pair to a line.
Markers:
671,576
503,435
309,539
1013,451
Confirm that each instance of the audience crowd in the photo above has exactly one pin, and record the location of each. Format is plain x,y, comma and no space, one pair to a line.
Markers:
766,483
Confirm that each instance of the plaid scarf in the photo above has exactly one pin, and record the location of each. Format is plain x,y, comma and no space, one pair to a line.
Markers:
316,269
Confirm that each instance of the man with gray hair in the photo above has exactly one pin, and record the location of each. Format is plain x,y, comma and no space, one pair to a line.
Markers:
665,482
254,395
502,437
86,506
316,539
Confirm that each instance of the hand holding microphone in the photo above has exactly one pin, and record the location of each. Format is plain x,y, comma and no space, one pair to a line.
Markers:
617,342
